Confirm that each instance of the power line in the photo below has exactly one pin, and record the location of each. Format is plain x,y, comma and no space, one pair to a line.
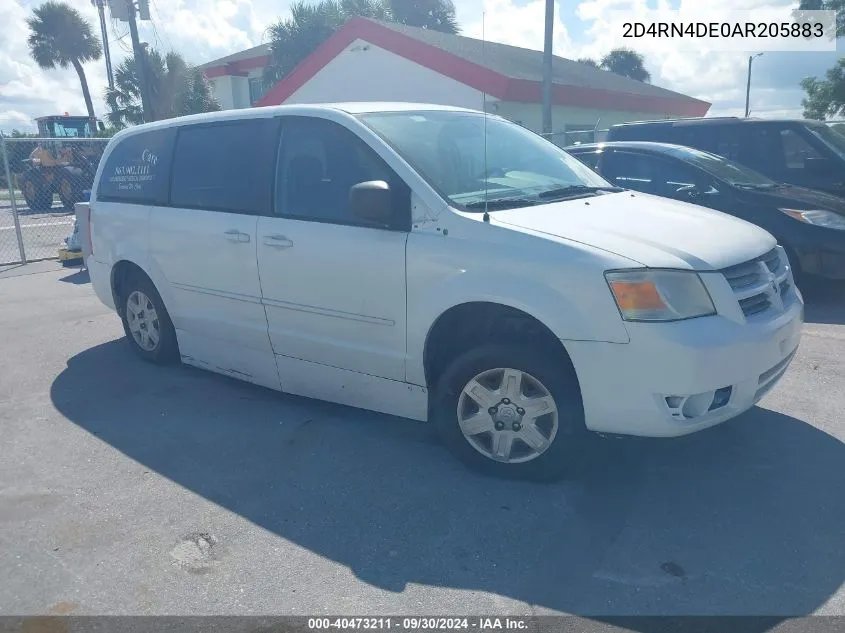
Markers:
159,16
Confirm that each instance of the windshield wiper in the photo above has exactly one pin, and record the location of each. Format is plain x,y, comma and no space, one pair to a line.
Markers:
575,190
501,203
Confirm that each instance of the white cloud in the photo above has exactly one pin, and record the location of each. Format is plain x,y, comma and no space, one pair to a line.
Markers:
205,29
519,25
200,30
717,77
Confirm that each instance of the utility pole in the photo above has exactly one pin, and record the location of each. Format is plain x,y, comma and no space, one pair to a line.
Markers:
547,67
140,64
748,85
105,35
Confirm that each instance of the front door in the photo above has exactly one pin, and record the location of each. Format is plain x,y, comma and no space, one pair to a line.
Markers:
204,244
333,287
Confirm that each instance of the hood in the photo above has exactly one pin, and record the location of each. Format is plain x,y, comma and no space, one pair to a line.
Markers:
656,232
791,197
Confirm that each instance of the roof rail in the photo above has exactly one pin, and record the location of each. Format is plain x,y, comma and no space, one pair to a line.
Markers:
693,118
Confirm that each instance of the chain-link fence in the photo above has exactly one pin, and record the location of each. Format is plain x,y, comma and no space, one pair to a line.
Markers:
40,181
572,137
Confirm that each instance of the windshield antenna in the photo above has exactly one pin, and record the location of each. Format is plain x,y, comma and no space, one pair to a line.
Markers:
486,216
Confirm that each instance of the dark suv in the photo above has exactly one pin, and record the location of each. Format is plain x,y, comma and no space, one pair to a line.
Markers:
804,153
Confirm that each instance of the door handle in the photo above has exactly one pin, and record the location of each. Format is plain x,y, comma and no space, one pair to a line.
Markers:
278,241
234,235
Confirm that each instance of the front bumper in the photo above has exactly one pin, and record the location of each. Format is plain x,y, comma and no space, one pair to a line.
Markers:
667,380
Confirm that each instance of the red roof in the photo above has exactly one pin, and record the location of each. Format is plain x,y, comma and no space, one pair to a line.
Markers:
505,72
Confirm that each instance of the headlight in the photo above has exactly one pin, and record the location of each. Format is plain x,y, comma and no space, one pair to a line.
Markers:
659,295
818,217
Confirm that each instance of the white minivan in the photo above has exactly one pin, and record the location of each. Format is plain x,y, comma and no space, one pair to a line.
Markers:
438,264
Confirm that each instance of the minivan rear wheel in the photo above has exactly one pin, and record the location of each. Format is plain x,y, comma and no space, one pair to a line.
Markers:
512,411
146,322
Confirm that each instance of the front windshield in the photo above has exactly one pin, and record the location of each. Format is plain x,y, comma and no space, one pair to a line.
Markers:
471,161
722,168
71,129
831,138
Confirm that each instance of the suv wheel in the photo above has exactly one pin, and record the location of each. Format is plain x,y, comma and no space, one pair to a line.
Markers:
512,411
146,322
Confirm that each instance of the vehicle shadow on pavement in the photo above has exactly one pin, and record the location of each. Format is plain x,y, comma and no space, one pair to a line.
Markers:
746,518
80,276
825,304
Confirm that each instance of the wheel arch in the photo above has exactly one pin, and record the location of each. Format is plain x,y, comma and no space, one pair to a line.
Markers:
121,272
467,325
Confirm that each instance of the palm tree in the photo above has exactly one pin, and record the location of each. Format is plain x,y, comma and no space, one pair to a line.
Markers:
60,36
625,62
438,15
312,23
176,89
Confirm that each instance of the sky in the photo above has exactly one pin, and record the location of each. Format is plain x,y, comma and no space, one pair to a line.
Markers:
203,30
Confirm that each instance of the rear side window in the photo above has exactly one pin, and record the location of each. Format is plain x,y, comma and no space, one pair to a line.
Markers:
137,170
697,136
656,133
224,166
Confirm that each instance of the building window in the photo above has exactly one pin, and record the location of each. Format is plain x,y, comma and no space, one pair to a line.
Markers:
256,89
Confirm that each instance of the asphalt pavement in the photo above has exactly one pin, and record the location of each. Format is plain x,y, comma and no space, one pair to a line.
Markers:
127,488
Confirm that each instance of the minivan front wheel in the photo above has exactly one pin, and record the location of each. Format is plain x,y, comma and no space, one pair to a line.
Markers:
512,411
146,322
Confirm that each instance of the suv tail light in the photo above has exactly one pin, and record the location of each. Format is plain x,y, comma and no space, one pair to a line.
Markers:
90,240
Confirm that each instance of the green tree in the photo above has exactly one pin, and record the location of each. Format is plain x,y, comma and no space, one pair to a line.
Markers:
825,97
827,5
310,24
176,89
60,36
621,61
438,15
589,62
625,62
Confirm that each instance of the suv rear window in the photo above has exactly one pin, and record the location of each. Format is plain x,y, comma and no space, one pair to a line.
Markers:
137,170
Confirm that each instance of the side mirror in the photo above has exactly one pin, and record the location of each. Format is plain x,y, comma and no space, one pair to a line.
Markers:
101,126
371,201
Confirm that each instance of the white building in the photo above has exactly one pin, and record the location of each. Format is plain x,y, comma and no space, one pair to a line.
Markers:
236,79
368,60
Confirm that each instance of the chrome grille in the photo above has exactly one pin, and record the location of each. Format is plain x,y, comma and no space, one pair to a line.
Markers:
760,284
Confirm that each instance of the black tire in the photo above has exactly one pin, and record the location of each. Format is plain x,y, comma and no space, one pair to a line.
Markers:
166,350
36,192
566,452
69,192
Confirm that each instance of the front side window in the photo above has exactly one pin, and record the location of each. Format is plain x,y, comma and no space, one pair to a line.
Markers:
224,166
137,170
470,159
319,163
779,149
796,150
649,174
830,138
